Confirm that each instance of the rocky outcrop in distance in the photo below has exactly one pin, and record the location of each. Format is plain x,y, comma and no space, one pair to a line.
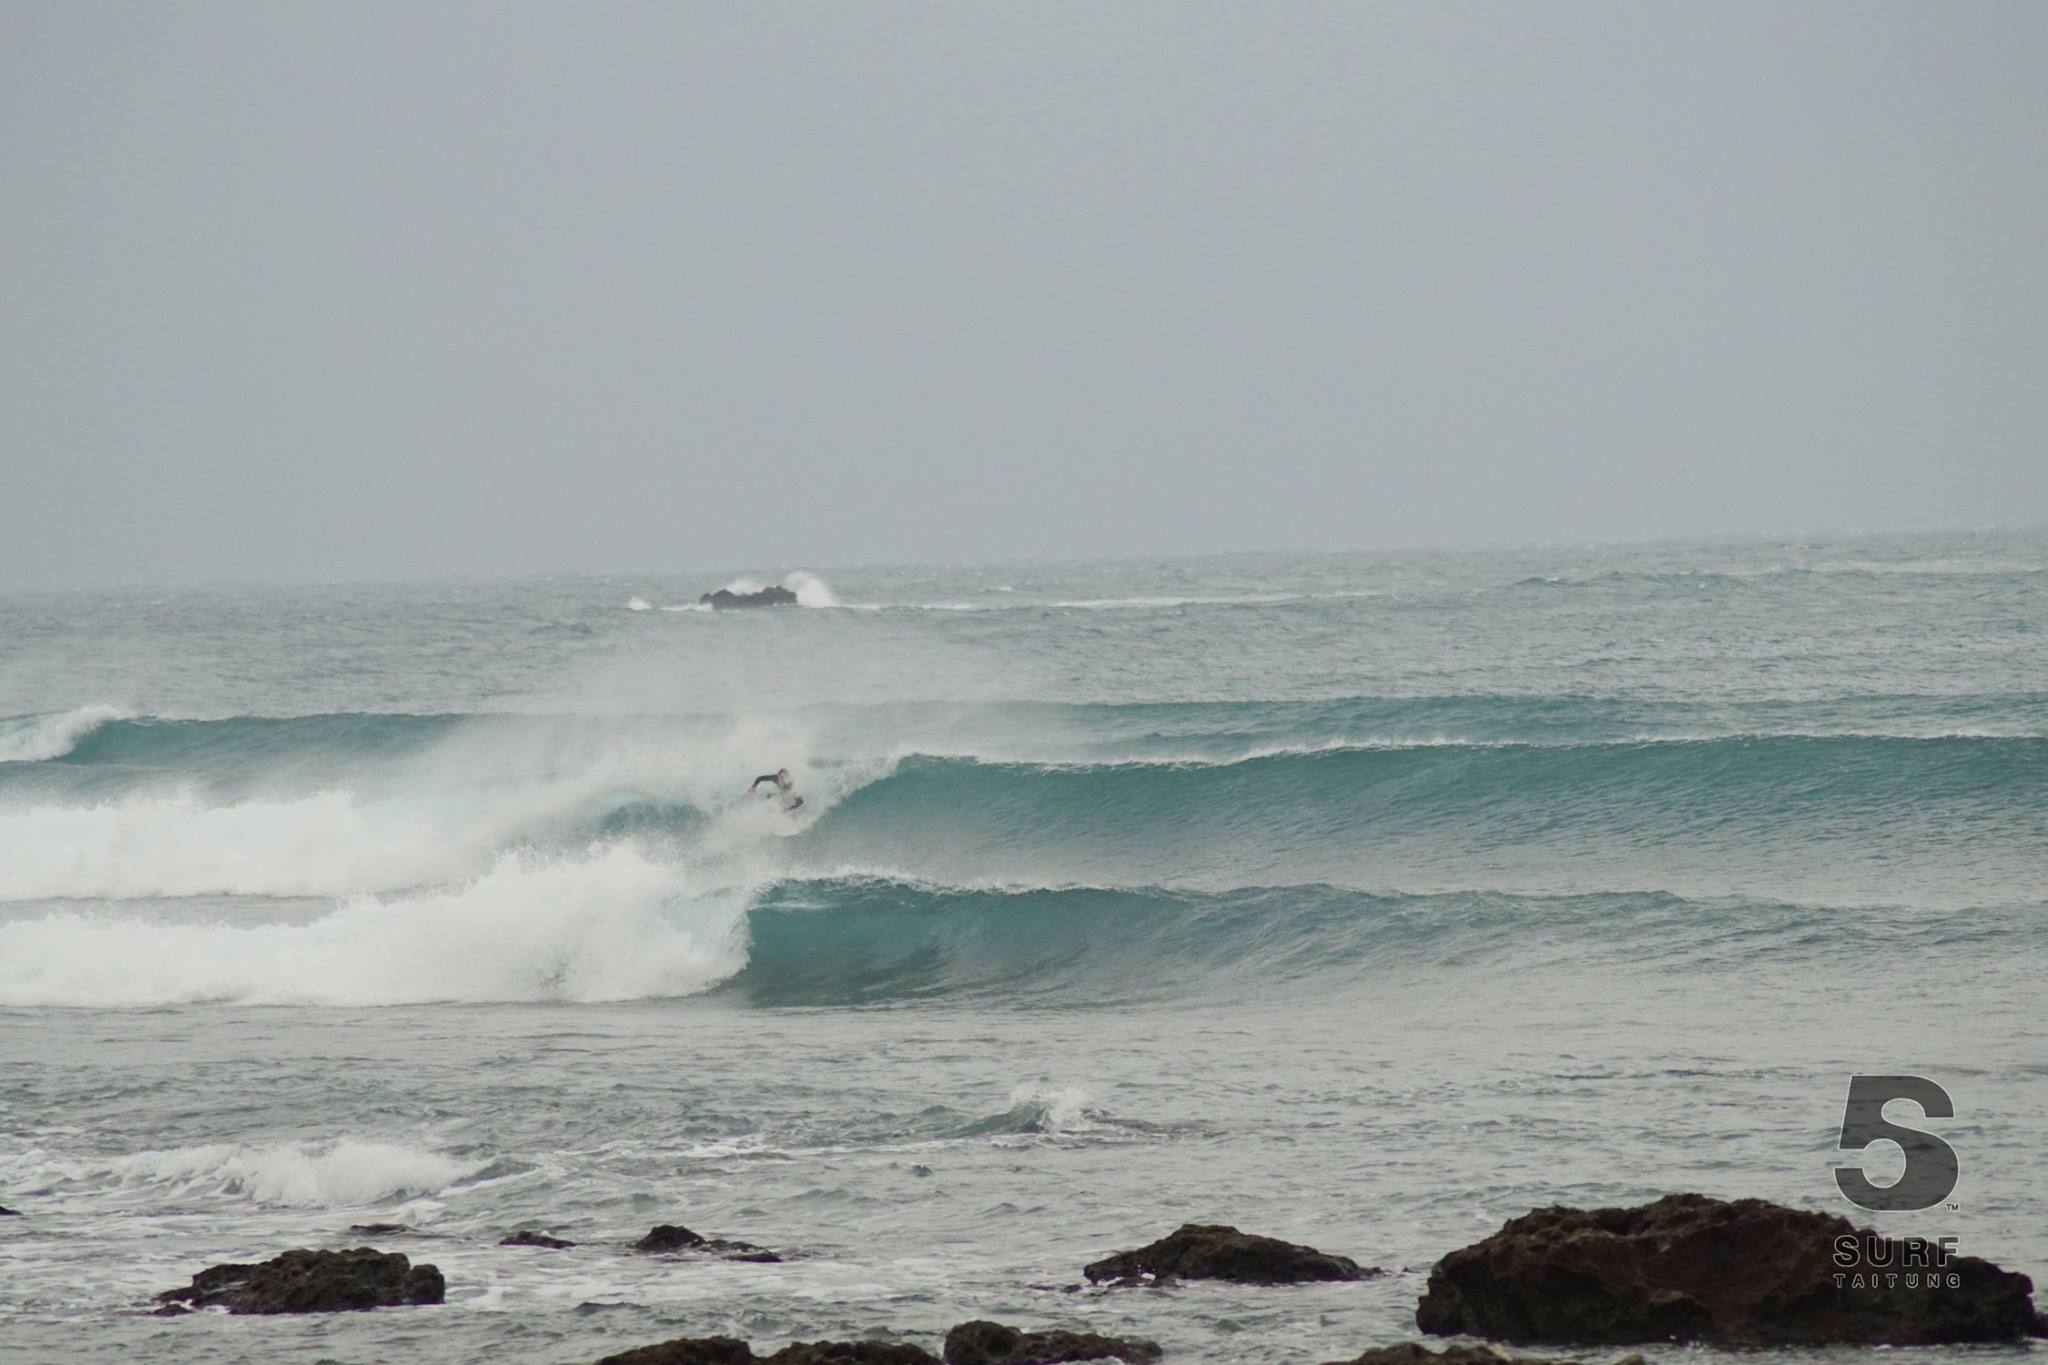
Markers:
725,599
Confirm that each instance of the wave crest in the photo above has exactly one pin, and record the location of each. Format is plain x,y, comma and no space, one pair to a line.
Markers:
39,738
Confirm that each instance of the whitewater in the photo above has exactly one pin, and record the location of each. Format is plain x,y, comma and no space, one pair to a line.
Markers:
1366,900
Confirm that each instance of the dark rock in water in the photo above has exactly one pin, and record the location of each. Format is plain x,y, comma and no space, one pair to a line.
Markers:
670,1237
1742,1273
687,1351
312,1282
727,1351
991,1343
851,1353
725,599
1414,1353
377,1229
533,1239
1210,1251
10,1213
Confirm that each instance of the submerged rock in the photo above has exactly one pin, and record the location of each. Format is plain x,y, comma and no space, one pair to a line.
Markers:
687,1351
991,1343
377,1229
670,1237
1211,1251
1741,1273
729,1351
303,1281
725,599
533,1239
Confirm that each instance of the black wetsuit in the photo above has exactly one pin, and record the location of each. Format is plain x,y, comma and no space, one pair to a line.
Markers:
776,778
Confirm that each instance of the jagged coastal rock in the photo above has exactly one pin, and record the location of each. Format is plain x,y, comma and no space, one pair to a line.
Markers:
991,1343
730,1351
534,1239
725,599
303,1281
1212,1251
1741,1273
670,1237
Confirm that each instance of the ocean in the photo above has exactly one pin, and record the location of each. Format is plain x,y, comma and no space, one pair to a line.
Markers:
1365,900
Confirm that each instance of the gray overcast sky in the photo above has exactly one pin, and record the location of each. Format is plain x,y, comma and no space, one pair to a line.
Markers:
299,290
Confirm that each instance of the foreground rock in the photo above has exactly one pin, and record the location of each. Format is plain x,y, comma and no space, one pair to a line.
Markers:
991,1343
728,1351
534,1239
1414,1353
310,1282
1211,1251
725,599
669,1237
1746,1273
687,1351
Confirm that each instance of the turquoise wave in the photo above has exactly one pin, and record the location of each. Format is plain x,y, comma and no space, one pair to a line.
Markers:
873,941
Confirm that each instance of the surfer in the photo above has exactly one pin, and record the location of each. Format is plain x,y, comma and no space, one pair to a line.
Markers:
781,781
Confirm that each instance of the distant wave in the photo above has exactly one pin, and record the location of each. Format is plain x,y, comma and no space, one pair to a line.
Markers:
1761,577
1207,731
38,738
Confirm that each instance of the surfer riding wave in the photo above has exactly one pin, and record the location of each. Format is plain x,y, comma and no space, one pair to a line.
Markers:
781,781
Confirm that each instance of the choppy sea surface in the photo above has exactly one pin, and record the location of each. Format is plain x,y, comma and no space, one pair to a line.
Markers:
1365,900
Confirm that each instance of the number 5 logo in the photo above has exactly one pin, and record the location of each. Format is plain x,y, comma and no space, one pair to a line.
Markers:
1931,1168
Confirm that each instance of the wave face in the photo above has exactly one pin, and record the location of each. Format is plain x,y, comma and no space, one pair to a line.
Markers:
1094,782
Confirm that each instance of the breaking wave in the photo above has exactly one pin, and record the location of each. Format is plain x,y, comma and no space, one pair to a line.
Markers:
341,1173
1027,851
37,739
620,927
616,925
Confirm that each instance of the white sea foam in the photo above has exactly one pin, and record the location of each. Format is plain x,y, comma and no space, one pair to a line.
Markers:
613,925
350,1172
1061,1108
336,1173
34,739
639,604
181,844
810,590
